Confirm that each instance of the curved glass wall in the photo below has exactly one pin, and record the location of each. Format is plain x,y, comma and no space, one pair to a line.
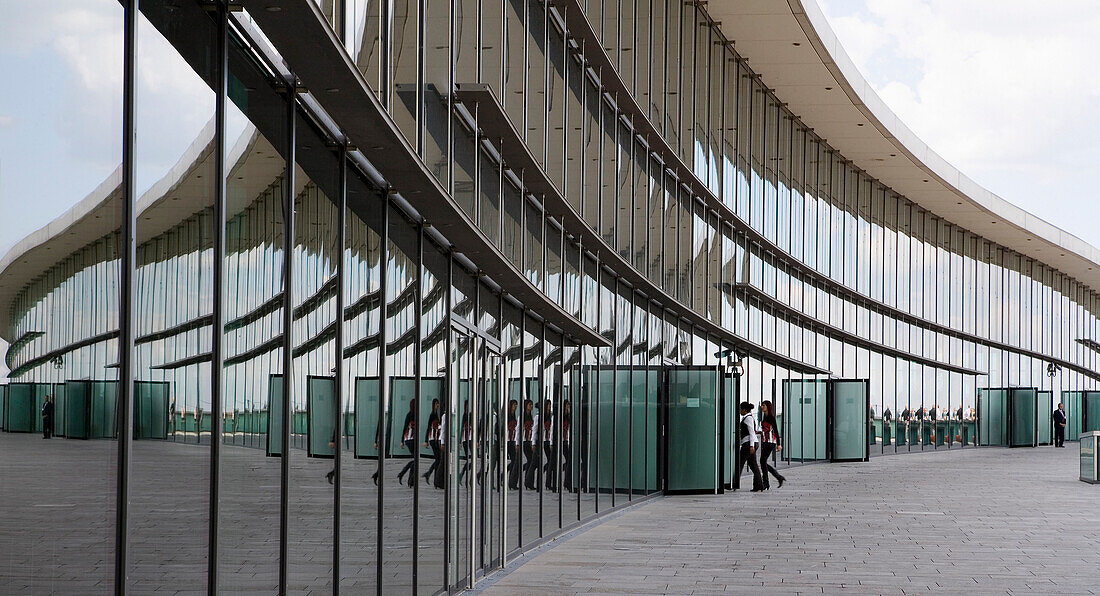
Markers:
621,161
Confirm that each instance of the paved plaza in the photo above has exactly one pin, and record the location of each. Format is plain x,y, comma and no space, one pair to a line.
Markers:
964,521
969,521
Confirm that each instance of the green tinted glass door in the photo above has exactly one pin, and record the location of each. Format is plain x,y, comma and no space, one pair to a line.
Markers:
693,430
1044,413
275,416
992,416
366,416
320,415
1090,402
150,410
76,409
21,413
804,420
848,405
1022,417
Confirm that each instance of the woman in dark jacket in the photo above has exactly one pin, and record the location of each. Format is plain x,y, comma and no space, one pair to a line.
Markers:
769,442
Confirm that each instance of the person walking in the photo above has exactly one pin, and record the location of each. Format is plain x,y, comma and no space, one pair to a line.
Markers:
1060,426
769,443
749,441
432,433
408,438
47,417
531,457
513,446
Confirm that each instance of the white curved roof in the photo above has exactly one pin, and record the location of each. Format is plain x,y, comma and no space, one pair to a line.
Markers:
765,33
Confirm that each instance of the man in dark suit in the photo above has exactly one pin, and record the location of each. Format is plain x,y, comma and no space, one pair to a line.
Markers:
47,418
1060,426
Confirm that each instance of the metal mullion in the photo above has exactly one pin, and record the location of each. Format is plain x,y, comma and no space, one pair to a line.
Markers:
476,360
520,423
449,374
614,384
542,415
630,404
287,343
386,51
383,394
341,273
217,331
418,111
127,302
502,450
557,430
599,321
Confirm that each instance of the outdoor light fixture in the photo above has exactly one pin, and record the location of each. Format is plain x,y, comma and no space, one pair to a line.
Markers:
58,362
1053,369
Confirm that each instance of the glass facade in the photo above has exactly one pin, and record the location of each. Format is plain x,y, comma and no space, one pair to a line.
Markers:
473,322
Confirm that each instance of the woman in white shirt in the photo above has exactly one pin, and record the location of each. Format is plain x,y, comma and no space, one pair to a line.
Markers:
749,442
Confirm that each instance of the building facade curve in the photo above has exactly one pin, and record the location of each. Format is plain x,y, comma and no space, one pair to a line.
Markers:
476,264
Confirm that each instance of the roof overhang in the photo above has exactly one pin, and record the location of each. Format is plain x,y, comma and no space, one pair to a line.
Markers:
856,122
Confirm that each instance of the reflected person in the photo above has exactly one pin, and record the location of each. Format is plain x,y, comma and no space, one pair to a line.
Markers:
431,440
749,441
567,444
408,439
546,436
467,439
530,423
513,447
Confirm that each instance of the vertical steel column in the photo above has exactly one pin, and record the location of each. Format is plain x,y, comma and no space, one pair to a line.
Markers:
386,51
288,335
338,369
599,321
217,330
127,302
383,394
614,383
418,322
540,448
520,456
476,361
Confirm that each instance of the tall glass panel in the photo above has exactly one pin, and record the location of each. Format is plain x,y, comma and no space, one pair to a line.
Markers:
174,333
251,459
62,149
360,433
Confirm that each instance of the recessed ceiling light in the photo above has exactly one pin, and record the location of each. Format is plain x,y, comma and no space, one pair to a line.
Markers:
860,124
828,88
893,155
960,203
273,8
926,180
796,44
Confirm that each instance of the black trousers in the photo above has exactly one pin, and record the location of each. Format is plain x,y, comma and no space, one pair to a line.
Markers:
47,427
548,467
750,459
1059,435
437,454
766,451
513,466
411,446
531,466
567,466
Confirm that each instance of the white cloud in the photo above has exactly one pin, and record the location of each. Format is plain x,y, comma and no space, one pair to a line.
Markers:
1004,89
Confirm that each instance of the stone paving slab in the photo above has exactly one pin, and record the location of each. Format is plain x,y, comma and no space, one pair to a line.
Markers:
960,521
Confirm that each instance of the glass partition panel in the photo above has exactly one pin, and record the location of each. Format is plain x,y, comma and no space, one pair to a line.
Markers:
693,430
1022,418
992,417
1044,410
849,419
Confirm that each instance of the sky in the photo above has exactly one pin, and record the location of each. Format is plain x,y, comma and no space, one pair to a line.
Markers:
1003,89
1006,90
